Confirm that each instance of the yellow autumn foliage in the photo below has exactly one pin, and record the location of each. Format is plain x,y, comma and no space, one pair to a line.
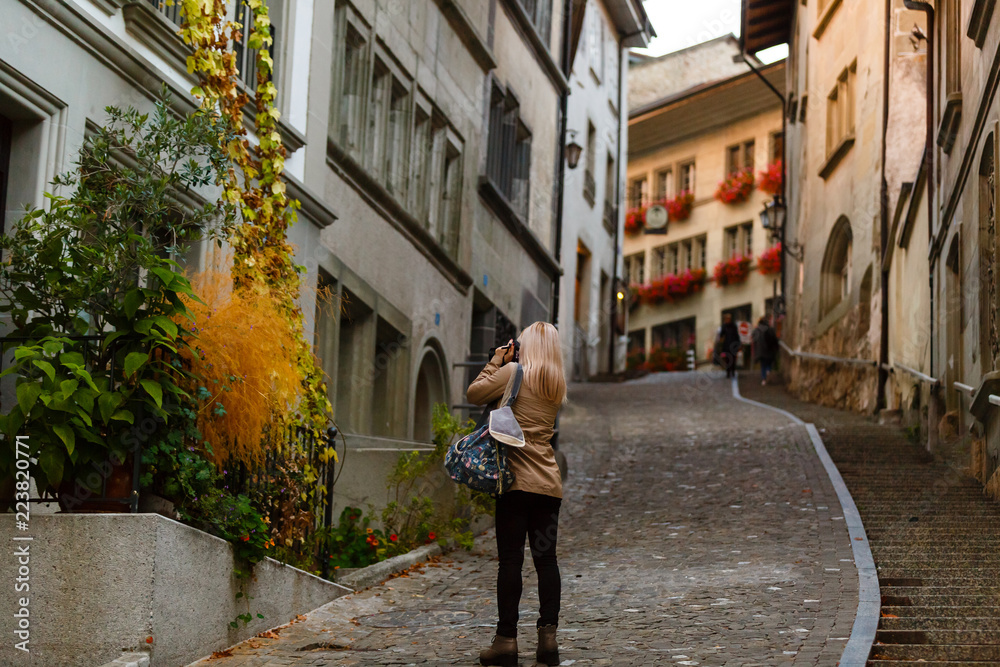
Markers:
246,359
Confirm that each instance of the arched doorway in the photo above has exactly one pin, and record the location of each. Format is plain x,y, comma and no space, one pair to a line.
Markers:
835,280
431,389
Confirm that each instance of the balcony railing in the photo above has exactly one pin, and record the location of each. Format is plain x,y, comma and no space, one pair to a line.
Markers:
246,59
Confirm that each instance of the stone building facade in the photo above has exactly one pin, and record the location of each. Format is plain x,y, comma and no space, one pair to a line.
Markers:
700,130
424,142
855,138
589,315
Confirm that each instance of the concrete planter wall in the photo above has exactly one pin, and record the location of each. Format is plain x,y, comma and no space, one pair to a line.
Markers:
104,583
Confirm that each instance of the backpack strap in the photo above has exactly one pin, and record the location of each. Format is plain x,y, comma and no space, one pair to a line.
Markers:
515,385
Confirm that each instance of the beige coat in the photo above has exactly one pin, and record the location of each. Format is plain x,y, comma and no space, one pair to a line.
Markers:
534,465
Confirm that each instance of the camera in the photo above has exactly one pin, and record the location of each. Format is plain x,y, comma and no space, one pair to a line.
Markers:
517,351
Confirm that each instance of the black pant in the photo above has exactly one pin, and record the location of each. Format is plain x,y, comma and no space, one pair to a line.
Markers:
520,513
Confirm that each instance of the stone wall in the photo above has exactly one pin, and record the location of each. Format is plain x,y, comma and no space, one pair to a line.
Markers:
104,583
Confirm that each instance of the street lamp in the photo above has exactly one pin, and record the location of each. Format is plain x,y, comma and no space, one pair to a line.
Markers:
573,151
773,216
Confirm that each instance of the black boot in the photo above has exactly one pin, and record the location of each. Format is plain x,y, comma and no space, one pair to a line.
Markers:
502,652
548,649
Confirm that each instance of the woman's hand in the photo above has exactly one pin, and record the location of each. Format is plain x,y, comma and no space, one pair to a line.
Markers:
505,353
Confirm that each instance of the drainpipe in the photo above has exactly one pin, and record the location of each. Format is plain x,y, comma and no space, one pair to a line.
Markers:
928,9
622,117
560,155
883,349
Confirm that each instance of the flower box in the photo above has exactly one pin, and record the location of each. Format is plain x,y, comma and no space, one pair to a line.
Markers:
771,178
733,271
736,187
679,207
672,288
769,262
635,220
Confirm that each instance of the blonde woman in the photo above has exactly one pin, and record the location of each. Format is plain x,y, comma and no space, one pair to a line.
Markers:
531,507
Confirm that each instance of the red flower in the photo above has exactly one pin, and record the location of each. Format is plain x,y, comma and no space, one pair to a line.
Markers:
770,260
672,288
736,187
771,178
732,271
431,536
679,208
393,537
245,538
635,219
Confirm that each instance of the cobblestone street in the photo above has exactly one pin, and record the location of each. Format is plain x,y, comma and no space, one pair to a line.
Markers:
696,530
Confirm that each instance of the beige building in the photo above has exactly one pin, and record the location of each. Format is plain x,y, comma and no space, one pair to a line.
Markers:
699,130
857,292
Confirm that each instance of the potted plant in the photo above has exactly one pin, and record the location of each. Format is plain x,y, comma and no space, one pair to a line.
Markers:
736,187
732,271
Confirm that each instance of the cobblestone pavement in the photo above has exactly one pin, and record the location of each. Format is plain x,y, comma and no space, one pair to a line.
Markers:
696,530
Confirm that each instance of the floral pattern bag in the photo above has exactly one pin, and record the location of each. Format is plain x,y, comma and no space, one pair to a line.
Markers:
479,461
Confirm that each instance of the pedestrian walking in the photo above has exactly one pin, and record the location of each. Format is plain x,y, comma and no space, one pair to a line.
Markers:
531,507
727,341
765,348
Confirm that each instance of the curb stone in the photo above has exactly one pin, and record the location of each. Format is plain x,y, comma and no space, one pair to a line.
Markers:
866,619
130,660
379,572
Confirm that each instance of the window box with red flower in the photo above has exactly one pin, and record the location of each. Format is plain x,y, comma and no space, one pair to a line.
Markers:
673,288
635,220
679,207
736,187
771,178
733,271
769,262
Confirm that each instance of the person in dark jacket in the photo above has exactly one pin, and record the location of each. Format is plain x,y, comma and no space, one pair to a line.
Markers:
727,342
765,347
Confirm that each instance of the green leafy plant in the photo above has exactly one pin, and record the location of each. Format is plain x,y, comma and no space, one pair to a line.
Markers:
99,261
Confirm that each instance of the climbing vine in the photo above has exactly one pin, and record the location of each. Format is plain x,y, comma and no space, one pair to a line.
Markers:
262,256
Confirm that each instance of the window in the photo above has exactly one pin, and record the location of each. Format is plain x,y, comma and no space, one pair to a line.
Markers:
611,182
388,127
508,151
685,177
740,156
378,114
678,257
450,204
350,78
397,151
635,266
540,14
738,241
589,185
953,51
664,184
840,110
835,279
595,41
777,146
679,334
638,192
423,151
246,59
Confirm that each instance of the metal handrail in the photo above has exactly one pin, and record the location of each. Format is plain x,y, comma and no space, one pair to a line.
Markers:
964,387
994,399
825,357
917,374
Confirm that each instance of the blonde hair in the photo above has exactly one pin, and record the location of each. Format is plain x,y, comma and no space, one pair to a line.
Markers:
541,358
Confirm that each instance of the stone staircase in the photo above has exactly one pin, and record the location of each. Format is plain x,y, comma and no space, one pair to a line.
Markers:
935,538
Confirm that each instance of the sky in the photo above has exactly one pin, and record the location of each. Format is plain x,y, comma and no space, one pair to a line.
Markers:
683,23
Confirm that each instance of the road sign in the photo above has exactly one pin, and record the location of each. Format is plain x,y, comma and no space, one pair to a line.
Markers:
745,335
